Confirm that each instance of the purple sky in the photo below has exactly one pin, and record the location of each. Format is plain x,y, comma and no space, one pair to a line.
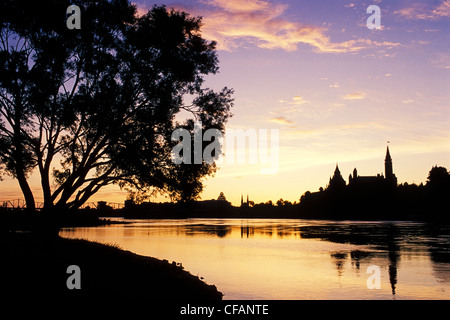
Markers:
336,90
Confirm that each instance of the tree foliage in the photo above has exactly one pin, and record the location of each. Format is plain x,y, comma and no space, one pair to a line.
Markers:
96,106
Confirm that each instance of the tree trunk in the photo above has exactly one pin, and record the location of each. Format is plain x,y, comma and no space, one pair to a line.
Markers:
26,190
45,183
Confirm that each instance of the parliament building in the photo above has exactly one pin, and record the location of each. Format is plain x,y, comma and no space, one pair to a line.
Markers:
355,181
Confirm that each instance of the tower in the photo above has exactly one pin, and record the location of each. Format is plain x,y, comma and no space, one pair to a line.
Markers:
337,182
388,171
244,204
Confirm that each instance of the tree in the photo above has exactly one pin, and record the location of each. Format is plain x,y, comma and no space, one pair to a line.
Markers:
96,106
438,175
438,180
222,197
305,197
281,202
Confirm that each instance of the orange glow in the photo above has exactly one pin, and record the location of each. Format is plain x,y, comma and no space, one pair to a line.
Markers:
243,258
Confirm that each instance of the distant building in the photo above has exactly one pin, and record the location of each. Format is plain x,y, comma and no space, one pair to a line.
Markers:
378,181
336,182
356,181
244,204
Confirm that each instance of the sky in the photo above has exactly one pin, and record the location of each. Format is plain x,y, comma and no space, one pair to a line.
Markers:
335,90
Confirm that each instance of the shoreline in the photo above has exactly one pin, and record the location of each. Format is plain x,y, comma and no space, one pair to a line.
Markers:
37,268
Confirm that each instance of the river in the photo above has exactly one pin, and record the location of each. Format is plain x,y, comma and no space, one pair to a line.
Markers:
295,259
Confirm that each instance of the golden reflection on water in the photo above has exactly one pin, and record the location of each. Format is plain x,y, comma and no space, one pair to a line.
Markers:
294,259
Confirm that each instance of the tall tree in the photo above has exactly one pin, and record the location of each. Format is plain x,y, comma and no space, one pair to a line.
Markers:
96,106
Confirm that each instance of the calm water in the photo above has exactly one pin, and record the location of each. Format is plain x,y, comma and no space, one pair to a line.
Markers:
295,259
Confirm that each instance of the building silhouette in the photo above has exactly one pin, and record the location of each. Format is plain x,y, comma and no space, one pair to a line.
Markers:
375,182
244,204
363,196
355,181
337,182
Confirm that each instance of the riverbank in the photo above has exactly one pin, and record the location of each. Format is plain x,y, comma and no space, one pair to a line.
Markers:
35,268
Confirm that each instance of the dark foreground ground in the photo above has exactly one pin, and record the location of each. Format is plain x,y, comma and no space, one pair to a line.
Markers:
34,269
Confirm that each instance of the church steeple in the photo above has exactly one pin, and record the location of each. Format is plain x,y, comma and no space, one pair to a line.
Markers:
388,171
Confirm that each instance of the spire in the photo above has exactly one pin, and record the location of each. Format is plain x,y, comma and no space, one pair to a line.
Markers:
388,155
388,170
337,182
242,199
247,198
337,171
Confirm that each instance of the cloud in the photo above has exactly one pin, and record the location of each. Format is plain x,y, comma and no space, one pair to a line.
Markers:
355,96
441,60
232,23
297,100
243,6
443,10
423,11
281,120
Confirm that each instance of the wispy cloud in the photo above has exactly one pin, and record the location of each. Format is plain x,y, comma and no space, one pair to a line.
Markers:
232,23
292,106
298,100
441,60
424,11
281,120
355,96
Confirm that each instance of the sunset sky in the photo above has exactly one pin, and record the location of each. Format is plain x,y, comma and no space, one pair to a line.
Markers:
336,90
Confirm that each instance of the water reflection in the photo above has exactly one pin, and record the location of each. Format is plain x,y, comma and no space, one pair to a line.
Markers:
198,229
390,238
292,257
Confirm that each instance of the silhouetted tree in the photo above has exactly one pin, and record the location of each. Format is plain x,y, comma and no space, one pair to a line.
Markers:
438,178
305,196
281,203
222,197
102,101
438,193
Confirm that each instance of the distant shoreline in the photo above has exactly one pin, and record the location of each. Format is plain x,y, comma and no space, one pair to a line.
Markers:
20,219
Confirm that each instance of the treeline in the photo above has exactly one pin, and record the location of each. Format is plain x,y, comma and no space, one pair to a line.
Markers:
403,202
